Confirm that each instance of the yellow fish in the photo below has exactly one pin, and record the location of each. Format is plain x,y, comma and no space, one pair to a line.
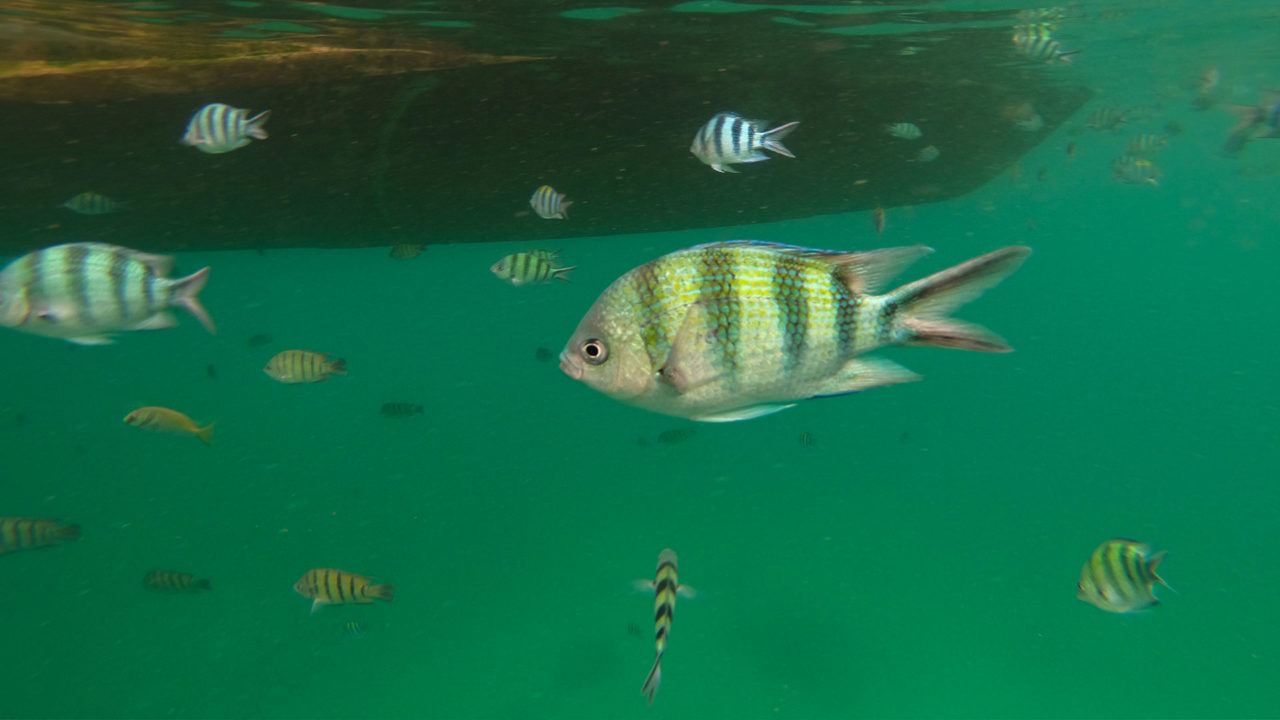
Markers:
171,421
666,586
30,533
303,366
334,587
1120,577
176,582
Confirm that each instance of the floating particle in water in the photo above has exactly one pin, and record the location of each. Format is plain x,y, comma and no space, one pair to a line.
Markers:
260,339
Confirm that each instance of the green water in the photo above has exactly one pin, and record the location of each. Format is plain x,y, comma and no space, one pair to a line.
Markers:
918,560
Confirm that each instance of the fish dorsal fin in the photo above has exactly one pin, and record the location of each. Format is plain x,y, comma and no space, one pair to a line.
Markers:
161,264
863,272
691,362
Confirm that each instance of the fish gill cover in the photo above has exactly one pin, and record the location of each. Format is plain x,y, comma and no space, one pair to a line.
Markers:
437,120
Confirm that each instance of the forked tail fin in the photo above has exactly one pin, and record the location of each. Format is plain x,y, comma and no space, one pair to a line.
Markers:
184,295
338,367
772,139
382,591
205,434
924,305
655,676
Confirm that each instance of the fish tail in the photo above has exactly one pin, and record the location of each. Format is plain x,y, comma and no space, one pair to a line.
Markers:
564,209
382,591
563,273
922,306
185,292
205,434
67,532
338,367
253,126
1152,564
655,677
1066,56
204,584
772,139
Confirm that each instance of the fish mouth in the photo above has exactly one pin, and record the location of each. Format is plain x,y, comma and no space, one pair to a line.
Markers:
569,365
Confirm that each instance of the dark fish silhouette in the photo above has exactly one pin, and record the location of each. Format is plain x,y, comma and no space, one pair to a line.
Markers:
401,409
211,371
543,354
259,340
676,436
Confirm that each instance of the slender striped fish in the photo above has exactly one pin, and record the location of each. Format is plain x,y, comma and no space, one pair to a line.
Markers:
30,533
83,292
728,139
665,586
170,581
92,203
528,268
325,586
303,366
549,204
1120,577
218,128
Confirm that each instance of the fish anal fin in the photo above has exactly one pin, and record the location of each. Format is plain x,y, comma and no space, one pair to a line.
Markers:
744,413
91,340
162,265
864,373
158,321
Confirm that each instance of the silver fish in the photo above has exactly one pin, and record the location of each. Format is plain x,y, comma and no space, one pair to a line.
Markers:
729,138
736,330
218,128
81,292
549,204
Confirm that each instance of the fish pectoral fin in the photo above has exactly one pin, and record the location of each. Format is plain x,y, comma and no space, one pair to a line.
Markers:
315,606
91,340
159,321
690,363
865,373
745,413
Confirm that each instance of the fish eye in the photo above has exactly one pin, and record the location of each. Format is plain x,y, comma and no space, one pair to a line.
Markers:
594,351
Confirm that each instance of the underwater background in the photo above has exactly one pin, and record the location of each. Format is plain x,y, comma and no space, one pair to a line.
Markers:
905,552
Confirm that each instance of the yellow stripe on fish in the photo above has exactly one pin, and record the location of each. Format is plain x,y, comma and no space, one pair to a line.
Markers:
31,533
303,366
666,586
162,419
169,581
1120,577
326,586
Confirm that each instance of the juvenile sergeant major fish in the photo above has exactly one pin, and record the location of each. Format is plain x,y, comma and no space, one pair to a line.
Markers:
92,203
549,204
163,419
529,268
1120,577
665,586
735,330
81,292
303,366
729,138
169,581
401,409
30,533
218,128
325,586
904,130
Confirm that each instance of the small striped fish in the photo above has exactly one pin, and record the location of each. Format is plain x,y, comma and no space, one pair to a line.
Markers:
219,128
665,586
401,409
406,251
354,629
728,139
1120,577
1147,144
325,586
1040,47
170,421
529,269
1106,118
31,533
928,154
549,204
905,130
303,366
82,292
169,581
735,330
91,203
1136,170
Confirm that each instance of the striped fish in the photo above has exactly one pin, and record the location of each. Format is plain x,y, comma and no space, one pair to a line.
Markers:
169,581
529,269
1041,47
729,138
549,204
219,128
334,587
665,586
905,130
162,419
401,409
31,533
406,251
303,366
82,292
354,629
1146,145
735,330
1120,577
91,203
1136,170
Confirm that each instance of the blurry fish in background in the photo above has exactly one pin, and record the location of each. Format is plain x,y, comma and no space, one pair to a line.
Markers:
1120,577
1015,172
665,586
542,354
218,128
169,581
259,340
633,628
31,533
549,204
211,371
1071,150
735,330
1173,127
1261,121
401,409
904,130
354,629
303,366
528,269
675,436
169,421
1205,97
1106,118
81,292
1135,170
728,139
1146,145
1042,174
1035,41
325,586
91,203
929,153
878,220
806,440
406,251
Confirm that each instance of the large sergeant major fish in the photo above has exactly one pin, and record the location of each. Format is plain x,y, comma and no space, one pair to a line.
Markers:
735,330
82,292
665,586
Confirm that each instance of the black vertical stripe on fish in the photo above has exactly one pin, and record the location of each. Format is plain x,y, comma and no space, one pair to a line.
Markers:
735,134
791,296
718,135
119,273
846,319
351,587
888,315
1112,572
149,281
36,268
